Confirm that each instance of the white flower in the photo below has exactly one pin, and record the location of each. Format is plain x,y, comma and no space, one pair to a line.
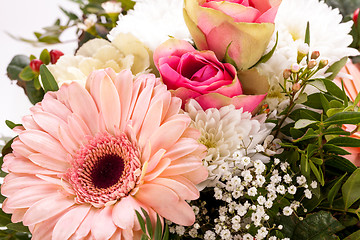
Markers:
112,7
284,166
180,230
222,131
225,234
260,180
313,184
276,161
153,22
292,189
248,236
301,180
281,189
193,233
261,200
252,192
236,194
124,52
209,235
327,35
268,204
287,178
308,193
242,211
245,161
236,226
287,211
272,238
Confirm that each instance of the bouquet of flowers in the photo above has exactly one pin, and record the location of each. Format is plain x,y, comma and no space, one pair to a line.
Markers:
195,119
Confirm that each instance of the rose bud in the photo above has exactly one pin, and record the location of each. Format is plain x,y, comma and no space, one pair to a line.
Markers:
323,63
312,63
55,55
296,87
35,65
286,73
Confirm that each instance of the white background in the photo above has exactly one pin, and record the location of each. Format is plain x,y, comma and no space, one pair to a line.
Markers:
22,18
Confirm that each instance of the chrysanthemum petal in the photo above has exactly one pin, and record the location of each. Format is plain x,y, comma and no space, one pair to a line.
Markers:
123,83
124,212
49,122
179,188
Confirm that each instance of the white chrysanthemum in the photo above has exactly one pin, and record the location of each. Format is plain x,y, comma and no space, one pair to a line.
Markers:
153,22
228,132
327,35
124,52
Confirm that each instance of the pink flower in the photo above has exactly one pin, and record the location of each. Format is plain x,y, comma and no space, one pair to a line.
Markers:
199,75
86,159
352,88
250,11
246,26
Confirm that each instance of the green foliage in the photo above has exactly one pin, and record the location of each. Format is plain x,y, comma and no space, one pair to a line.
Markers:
346,7
351,189
48,79
17,64
147,228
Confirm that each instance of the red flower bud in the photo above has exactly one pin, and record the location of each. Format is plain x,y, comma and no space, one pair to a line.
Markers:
35,65
356,15
55,55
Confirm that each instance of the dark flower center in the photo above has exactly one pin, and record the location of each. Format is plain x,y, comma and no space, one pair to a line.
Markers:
107,171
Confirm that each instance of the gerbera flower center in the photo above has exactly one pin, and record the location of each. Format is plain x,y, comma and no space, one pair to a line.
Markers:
105,170
108,171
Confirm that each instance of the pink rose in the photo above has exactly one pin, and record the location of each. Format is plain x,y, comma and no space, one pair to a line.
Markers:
199,75
250,11
244,25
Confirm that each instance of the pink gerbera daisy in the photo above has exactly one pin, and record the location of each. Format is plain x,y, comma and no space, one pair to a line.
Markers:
86,159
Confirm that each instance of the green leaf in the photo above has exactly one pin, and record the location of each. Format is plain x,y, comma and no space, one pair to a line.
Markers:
34,95
227,58
335,189
11,125
158,229
301,123
48,79
301,98
144,237
307,33
351,189
341,163
17,64
45,56
72,16
267,56
5,219
317,174
127,4
18,227
343,118
317,161
315,102
336,131
7,148
302,113
318,226
27,74
354,236
141,221
166,232
310,133
336,67
304,166
325,103
330,148
345,142
332,88
148,223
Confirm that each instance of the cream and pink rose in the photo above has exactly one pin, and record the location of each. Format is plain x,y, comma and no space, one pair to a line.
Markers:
199,75
246,26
